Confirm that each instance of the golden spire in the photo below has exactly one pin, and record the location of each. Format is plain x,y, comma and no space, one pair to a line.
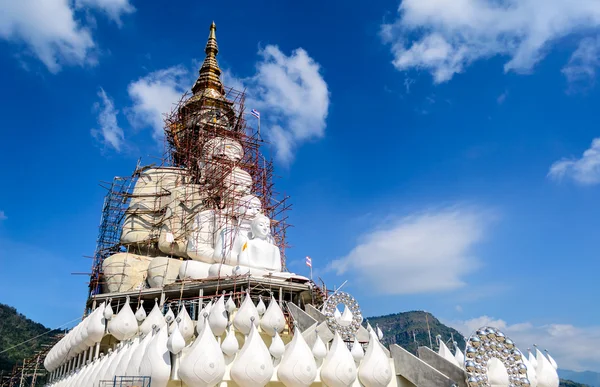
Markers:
210,73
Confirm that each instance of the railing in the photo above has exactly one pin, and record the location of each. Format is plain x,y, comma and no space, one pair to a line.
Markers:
127,381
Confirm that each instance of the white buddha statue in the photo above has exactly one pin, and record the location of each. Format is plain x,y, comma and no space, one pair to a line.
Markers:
258,252
230,238
214,152
201,241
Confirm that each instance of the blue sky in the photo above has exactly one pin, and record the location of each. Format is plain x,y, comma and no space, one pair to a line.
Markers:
433,150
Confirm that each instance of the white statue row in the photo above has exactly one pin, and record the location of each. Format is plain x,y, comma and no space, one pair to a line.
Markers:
248,350
541,370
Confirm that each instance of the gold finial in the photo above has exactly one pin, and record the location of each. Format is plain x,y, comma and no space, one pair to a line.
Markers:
210,73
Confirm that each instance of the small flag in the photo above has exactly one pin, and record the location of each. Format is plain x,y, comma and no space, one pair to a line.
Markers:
255,113
308,262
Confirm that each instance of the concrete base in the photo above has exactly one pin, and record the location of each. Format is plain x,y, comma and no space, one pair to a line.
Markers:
416,371
444,366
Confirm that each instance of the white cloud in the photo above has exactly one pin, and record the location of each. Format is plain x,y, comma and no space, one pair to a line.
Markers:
155,95
581,69
584,170
502,97
292,93
3,215
109,133
574,348
289,91
425,252
50,30
113,8
446,36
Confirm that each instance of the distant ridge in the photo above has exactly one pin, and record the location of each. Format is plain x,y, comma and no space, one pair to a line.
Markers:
589,378
15,328
398,329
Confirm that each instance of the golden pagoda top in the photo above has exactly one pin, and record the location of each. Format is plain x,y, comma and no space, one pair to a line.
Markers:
210,73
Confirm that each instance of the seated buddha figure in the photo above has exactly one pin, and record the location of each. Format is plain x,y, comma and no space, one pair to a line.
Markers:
201,241
232,236
258,252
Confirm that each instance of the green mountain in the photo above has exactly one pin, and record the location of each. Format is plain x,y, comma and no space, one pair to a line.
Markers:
15,328
569,383
410,330
588,377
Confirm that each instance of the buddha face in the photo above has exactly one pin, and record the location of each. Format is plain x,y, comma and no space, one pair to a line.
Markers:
253,207
247,206
261,227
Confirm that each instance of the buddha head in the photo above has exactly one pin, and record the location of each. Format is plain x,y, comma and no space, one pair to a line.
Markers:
248,206
261,227
237,183
223,148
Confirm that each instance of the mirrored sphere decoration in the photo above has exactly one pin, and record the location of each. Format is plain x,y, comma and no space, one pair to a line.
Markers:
487,343
347,332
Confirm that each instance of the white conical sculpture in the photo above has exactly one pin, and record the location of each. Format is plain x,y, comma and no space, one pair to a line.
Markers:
277,347
176,341
111,370
185,324
459,356
133,368
531,375
246,315
357,351
79,343
230,304
546,374
201,321
532,358
140,313
105,364
339,369
124,325
379,332
230,345
497,374
130,348
336,314
347,316
155,317
102,365
298,367
319,350
446,354
156,362
204,364
273,320
551,359
261,307
375,369
218,317
108,311
253,366
89,377
169,316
